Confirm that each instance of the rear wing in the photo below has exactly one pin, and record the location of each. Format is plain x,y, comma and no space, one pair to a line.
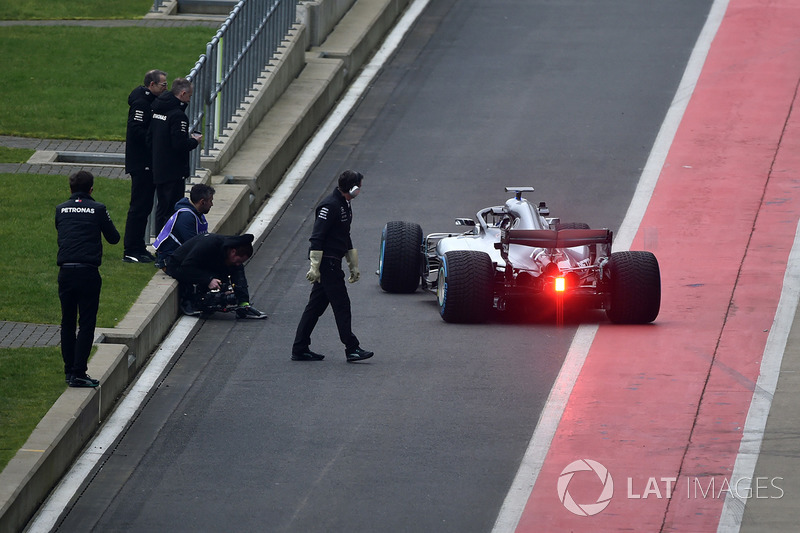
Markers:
548,238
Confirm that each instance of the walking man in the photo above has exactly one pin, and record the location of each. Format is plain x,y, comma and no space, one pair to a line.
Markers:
80,222
171,143
330,241
138,163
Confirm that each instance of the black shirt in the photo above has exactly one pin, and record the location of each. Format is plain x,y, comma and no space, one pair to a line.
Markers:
138,156
331,232
202,258
169,136
80,221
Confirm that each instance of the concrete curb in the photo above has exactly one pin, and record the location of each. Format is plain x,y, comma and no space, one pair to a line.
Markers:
307,85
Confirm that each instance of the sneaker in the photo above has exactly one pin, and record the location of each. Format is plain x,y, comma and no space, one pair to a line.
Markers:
308,355
188,309
249,311
83,381
358,354
138,257
68,378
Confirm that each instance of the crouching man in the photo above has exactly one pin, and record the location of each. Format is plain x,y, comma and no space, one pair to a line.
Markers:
206,263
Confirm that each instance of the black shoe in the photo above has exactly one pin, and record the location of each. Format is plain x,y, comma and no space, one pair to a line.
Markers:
138,257
249,311
188,309
83,381
358,354
68,378
308,355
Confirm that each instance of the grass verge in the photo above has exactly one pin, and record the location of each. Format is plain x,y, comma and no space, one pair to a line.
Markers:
68,82
30,382
74,9
15,155
28,254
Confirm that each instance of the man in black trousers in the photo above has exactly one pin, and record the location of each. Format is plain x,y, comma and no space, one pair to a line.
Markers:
330,241
80,223
138,163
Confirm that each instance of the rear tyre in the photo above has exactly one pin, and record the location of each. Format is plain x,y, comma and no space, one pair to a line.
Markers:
572,225
400,265
465,289
635,288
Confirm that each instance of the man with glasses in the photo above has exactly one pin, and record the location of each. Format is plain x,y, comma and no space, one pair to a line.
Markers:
171,143
138,163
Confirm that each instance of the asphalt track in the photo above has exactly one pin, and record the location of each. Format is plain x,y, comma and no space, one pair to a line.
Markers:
428,435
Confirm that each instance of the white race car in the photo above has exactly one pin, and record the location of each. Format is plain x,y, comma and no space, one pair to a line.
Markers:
514,254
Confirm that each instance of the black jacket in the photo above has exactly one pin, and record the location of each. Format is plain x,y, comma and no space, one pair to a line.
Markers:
170,139
80,221
202,258
331,232
138,155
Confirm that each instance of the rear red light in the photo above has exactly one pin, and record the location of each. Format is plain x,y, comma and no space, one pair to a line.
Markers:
560,284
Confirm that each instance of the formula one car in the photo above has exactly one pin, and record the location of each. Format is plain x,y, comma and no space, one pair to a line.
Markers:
514,254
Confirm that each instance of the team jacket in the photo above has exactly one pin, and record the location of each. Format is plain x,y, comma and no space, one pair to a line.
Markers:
79,222
138,155
331,232
170,139
202,258
184,224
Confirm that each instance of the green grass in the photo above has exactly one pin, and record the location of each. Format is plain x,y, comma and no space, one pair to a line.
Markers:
28,254
31,380
73,9
15,155
73,82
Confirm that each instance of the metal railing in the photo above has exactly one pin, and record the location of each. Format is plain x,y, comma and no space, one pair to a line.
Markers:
235,58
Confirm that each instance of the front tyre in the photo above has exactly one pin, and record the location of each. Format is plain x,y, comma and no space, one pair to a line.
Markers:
465,289
635,288
400,265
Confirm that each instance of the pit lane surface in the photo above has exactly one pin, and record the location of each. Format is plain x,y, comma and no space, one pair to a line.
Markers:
428,435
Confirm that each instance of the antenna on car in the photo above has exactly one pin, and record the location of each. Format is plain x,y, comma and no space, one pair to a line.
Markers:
518,191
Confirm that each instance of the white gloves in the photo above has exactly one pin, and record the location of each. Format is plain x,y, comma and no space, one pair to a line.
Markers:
316,258
352,263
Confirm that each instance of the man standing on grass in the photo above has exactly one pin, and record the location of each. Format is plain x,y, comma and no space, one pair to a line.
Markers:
80,223
138,163
171,143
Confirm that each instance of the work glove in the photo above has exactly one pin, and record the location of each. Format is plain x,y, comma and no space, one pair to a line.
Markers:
315,256
352,263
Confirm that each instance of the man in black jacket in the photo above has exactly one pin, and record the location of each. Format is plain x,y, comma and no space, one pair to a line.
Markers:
206,262
80,222
171,143
138,163
330,241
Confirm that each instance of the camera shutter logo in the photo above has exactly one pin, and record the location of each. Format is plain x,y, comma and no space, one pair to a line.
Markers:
585,509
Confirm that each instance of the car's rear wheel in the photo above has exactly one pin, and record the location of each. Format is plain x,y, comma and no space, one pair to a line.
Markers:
572,225
400,265
635,287
465,287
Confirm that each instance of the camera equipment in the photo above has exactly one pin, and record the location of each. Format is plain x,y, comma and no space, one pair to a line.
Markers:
218,300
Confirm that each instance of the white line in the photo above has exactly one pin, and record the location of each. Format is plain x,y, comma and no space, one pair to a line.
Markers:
753,434
294,178
52,509
58,500
521,487
532,462
655,162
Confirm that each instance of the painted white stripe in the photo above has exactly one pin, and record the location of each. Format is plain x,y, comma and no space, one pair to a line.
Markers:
521,487
756,422
312,152
57,502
